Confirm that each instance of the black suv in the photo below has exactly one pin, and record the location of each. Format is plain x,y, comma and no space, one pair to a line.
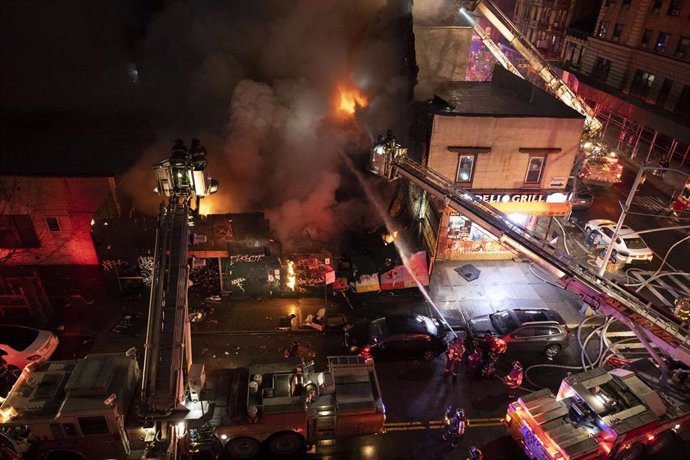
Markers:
541,330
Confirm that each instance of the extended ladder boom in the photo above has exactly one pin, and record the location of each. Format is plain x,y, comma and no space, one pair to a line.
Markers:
553,81
650,323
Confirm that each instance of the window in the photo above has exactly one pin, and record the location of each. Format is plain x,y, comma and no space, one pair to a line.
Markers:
663,94
534,169
526,332
602,29
53,224
674,8
17,231
682,48
465,168
601,69
626,3
662,42
641,83
646,36
656,6
617,31
93,425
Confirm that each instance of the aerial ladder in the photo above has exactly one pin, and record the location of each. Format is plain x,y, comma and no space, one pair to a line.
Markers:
652,324
553,81
168,349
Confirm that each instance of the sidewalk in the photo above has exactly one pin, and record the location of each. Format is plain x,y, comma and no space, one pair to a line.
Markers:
502,284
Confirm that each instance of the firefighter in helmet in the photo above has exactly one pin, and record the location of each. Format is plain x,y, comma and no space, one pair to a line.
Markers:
474,362
454,425
475,454
197,153
682,309
454,353
514,379
179,161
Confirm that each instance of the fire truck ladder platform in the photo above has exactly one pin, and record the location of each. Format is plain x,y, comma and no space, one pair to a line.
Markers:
650,323
162,385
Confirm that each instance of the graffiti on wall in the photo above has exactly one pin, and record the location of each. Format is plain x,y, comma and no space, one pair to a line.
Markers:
114,265
239,282
246,258
146,269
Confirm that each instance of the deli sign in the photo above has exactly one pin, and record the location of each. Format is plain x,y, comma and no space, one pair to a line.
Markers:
523,197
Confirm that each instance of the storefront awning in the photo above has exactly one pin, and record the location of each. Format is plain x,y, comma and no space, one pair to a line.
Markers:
534,209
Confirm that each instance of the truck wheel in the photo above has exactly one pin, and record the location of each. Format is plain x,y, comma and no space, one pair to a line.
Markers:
286,443
242,448
660,442
631,453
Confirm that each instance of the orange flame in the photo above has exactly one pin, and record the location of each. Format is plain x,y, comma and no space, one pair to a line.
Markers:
348,99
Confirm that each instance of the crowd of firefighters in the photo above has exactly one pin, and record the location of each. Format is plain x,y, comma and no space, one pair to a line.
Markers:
480,360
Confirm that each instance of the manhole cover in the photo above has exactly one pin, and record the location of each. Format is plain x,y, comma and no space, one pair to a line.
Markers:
469,272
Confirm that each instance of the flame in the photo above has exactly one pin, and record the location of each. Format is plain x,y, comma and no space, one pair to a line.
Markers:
291,278
348,99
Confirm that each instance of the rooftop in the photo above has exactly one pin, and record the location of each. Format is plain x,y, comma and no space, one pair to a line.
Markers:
506,95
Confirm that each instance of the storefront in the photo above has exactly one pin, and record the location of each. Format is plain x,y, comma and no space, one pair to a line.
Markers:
460,238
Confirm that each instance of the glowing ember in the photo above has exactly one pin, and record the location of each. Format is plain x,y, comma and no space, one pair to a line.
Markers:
291,278
349,98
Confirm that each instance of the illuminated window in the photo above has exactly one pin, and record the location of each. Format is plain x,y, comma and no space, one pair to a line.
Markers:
465,168
53,224
534,170
603,26
641,84
662,42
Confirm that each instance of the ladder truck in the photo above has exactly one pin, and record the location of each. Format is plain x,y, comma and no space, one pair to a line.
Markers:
656,328
105,406
598,164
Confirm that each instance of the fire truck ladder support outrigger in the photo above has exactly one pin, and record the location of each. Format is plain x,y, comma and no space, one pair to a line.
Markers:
649,323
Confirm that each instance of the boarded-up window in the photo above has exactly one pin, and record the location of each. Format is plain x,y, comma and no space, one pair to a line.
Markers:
17,231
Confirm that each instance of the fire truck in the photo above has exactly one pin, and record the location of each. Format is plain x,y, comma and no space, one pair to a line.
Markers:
640,410
596,164
106,406
618,413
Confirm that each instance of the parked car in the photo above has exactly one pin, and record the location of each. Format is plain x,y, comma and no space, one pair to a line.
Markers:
629,246
399,337
541,330
20,345
582,198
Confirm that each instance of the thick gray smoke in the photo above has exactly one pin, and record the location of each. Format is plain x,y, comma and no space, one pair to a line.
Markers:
260,83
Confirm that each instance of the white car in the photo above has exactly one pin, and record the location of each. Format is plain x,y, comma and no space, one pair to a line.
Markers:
629,246
20,345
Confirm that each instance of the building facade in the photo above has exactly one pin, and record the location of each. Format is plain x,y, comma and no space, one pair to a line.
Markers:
544,23
508,143
642,48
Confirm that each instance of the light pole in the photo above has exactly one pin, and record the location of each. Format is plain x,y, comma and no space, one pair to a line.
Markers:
624,212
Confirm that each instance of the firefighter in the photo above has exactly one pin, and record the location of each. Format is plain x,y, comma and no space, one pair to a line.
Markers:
454,426
497,345
682,309
197,153
514,379
297,382
454,353
475,454
179,161
489,366
474,362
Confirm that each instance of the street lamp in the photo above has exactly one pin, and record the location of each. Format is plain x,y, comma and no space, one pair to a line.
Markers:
624,211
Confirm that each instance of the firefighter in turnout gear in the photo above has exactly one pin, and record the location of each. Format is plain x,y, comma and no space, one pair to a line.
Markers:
453,425
179,161
514,379
197,153
474,362
682,309
454,353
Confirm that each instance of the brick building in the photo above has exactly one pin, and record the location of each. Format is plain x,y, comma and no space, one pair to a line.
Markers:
544,23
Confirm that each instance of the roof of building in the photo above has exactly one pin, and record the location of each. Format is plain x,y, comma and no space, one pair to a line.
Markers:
73,144
506,95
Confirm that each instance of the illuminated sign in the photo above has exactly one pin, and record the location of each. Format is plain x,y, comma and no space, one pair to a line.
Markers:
522,197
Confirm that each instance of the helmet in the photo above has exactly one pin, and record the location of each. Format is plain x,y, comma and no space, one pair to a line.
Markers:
517,365
460,413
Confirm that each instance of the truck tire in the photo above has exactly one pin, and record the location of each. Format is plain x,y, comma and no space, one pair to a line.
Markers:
633,452
661,440
242,448
285,443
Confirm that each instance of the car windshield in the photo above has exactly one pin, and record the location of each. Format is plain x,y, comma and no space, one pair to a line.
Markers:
635,243
18,337
502,322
